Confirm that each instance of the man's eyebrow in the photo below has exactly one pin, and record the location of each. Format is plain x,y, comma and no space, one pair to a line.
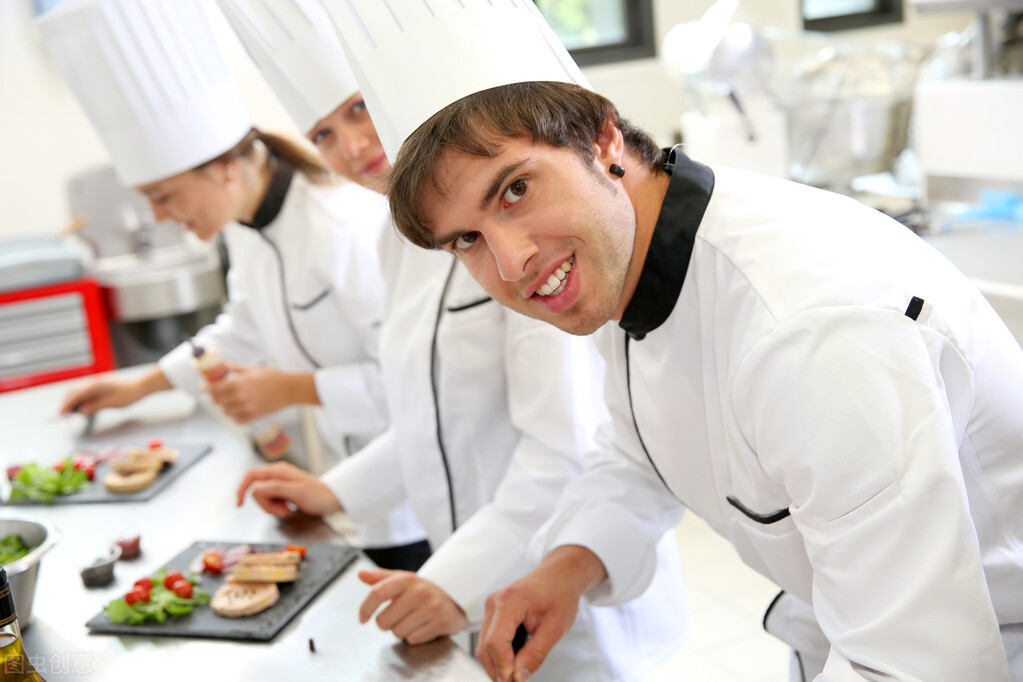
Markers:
492,191
498,182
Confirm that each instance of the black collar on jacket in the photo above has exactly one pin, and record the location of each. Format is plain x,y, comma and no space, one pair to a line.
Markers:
671,245
275,195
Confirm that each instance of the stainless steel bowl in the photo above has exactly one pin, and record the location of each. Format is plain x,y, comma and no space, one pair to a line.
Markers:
41,536
831,141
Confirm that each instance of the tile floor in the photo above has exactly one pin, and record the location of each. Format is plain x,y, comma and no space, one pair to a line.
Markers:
727,601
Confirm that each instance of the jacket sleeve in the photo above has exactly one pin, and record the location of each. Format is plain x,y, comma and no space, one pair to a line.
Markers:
617,508
554,388
369,484
353,394
849,410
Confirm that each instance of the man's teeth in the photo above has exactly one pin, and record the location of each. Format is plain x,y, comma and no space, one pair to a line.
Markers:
556,282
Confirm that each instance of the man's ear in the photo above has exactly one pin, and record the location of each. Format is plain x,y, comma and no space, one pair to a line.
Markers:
609,147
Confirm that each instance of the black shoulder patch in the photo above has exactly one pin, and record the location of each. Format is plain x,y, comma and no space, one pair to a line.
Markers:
916,304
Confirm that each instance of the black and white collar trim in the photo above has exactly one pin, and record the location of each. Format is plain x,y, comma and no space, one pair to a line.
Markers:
275,195
671,245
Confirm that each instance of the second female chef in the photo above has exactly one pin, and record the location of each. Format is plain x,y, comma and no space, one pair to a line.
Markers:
305,289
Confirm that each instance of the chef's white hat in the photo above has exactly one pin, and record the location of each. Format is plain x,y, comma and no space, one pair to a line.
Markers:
412,59
152,80
295,46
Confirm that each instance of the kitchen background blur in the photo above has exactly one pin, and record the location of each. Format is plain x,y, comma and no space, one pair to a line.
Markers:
741,83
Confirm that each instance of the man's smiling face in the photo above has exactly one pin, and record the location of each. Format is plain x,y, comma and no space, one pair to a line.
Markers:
544,232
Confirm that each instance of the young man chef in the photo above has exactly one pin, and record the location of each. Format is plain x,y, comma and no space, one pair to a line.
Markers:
809,377
491,412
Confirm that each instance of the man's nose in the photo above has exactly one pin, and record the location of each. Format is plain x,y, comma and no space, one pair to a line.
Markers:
512,249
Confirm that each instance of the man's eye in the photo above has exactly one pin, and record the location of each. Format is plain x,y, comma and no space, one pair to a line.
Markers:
359,107
465,241
515,191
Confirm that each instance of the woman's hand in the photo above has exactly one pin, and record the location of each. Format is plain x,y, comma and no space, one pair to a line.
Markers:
104,392
282,488
250,391
419,611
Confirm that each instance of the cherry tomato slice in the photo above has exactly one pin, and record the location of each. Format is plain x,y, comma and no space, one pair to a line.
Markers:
155,444
135,596
143,584
171,578
301,549
182,588
212,563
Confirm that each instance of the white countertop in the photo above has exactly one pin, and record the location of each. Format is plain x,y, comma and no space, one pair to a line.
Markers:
991,254
200,504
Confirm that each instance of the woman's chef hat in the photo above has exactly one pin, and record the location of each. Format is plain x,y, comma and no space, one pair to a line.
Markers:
412,59
296,48
152,80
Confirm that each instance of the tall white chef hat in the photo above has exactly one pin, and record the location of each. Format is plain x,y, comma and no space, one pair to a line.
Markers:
412,59
296,48
152,80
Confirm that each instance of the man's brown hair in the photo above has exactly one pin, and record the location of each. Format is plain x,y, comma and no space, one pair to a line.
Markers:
558,114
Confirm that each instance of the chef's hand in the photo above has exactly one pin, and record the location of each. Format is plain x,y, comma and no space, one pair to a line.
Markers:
251,391
419,610
105,392
281,488
545,602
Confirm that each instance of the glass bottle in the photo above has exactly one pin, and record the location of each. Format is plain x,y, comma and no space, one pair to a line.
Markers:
14,664
269,437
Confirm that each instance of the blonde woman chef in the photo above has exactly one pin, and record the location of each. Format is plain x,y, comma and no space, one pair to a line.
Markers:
305,289
492,412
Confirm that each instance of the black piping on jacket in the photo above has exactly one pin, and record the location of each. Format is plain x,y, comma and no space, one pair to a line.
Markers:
436,396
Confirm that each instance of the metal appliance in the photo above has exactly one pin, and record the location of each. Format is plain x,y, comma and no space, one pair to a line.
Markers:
158,282
52,321
967,131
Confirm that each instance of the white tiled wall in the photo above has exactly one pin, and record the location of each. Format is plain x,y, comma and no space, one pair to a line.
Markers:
727,602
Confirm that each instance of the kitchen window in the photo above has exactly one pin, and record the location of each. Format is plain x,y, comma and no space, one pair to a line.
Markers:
840,15
601,31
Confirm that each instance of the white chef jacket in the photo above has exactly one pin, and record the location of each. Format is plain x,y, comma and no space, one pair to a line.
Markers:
838,401
515,402
310,264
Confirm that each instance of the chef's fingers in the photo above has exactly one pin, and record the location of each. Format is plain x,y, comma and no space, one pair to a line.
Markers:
420,626
276,497
372,577
277,470
439,617
384,591
494,649
532,654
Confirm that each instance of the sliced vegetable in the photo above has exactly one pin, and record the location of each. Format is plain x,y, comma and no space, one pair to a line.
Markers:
136,595
212,563
160,601
44,484
12,548
170,578
182,588
144,583
301,549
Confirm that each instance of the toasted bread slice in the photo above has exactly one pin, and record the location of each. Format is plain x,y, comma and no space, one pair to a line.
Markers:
263,574
279,558
135,461
165,455
131,482
235,600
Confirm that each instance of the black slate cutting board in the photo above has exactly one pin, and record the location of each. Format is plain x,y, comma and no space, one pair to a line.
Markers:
321,565
97,492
